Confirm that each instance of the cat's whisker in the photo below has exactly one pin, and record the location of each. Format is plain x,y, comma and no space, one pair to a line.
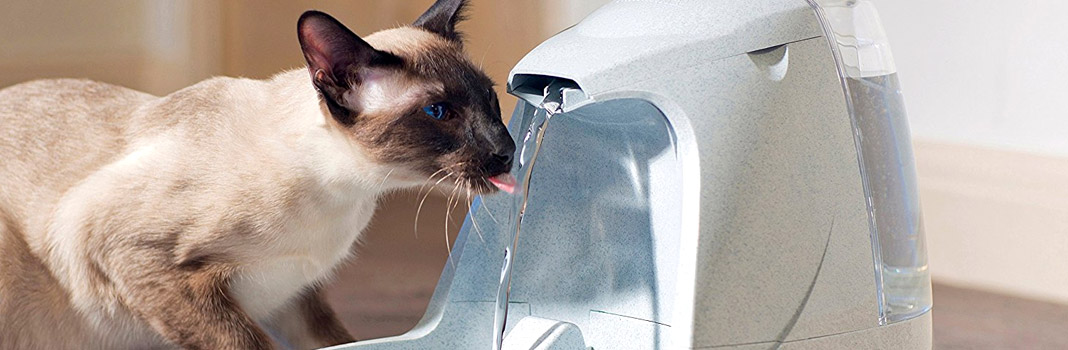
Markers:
486,206
430,190
459,193
420,191
465,187
420,208
488,48
448,214
383,182
442,170
488,211
448,202
472,216
431,178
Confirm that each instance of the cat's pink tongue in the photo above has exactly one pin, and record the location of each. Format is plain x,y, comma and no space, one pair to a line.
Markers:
505,182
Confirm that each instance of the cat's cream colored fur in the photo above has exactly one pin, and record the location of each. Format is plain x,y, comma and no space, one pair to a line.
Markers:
92,173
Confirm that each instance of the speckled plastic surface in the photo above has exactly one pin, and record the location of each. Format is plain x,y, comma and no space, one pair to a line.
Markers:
704,193
535,333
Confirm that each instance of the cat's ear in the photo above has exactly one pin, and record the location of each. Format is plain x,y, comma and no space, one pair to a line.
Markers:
442,17
337,58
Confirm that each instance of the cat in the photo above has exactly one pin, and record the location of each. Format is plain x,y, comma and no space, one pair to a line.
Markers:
209,218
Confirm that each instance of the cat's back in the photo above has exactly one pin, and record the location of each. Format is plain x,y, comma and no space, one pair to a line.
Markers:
55,132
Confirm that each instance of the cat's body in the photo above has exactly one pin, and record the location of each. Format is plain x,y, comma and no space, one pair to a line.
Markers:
158,173
194,219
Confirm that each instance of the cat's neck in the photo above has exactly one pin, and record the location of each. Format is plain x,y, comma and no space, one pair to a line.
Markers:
318,148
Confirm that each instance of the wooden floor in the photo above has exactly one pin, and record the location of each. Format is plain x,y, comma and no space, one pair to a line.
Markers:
385,290
970,319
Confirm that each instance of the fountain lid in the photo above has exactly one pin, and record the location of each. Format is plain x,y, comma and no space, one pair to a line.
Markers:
630,41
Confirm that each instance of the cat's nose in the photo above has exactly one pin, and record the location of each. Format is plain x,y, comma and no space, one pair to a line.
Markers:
501,148
505,158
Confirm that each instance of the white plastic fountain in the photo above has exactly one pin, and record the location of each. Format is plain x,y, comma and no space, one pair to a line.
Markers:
729,174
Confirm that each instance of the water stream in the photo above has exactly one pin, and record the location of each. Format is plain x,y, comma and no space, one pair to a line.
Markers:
528,155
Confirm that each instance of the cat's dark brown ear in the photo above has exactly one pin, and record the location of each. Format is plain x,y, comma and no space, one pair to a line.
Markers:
336,56
442,17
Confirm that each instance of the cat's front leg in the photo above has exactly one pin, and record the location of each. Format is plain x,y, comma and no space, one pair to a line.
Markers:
189,305
310,323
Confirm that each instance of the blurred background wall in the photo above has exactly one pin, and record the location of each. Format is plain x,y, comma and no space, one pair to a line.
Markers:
984,83
983,79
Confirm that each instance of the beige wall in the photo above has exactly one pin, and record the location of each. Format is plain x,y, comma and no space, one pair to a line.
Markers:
152,46
996,219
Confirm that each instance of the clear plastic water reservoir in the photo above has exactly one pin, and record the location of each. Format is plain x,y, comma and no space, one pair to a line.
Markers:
880,126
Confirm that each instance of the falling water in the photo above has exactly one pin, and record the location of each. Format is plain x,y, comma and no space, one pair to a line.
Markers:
531,142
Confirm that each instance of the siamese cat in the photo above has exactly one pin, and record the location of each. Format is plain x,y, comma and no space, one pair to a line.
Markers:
208,218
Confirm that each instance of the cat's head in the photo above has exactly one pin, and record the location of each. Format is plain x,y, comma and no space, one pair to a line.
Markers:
409,96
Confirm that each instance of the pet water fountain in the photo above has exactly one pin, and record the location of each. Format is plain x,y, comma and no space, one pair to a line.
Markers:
728,174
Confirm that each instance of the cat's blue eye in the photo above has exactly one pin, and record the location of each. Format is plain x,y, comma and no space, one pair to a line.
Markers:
436,111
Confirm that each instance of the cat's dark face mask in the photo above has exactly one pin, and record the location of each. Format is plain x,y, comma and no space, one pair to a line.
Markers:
413,100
